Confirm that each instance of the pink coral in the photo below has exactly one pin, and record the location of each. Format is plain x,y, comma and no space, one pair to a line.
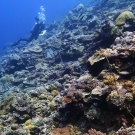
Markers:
94,132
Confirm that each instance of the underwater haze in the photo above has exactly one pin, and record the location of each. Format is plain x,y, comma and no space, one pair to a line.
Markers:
18,17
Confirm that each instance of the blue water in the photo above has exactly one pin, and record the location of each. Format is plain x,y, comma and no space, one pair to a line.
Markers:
18,16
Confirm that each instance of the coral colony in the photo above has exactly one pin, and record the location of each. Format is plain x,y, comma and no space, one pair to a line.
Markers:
76,79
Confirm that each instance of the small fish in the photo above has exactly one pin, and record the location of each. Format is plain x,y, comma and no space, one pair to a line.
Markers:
124,73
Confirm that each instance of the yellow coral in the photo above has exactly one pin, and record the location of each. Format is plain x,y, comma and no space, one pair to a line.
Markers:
34,99
52,87
54,92
115,98
129,96
26,115
39,110
133,90
52,105
1,128
134,120
28,125
110,80
121,19
28,122
74,130
115,31
50,98
42,96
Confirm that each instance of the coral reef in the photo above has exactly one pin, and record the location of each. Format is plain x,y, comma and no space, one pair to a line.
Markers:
79,78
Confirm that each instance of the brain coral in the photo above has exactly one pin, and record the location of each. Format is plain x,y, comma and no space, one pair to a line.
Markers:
123,17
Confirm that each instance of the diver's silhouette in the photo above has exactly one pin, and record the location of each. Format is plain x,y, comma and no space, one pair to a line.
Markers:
36,30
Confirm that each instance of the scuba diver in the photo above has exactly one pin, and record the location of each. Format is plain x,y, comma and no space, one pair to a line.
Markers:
38,28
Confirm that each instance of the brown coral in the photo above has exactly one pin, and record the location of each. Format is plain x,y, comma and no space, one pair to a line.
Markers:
128,84
91,84
72,95
61,131
66,99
